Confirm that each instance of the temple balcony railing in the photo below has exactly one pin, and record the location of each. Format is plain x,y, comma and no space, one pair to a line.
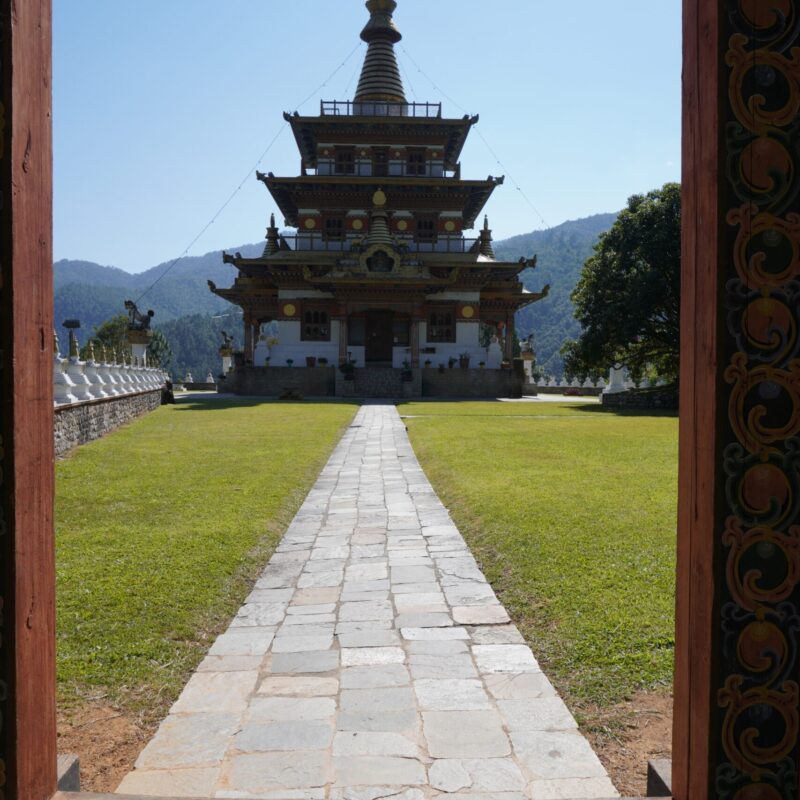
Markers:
442,244
378,108
394,169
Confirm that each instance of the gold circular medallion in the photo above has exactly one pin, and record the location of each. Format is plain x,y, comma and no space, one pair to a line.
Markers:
311,223
449,226
358,224
468,312
289,310
402,225
379,198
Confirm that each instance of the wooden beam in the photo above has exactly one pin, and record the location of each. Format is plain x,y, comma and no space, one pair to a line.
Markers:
27,567
736,706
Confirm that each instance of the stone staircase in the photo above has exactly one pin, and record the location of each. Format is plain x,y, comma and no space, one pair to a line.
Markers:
386,383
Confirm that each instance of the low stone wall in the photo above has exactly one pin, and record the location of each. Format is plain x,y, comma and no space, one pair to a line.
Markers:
666,399
84,422
275,381
585,391
459,382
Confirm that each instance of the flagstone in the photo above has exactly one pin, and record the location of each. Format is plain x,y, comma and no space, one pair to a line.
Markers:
300,685
465,734
371,661
477,774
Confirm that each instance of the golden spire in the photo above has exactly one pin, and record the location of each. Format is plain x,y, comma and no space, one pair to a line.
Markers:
380,77
486,248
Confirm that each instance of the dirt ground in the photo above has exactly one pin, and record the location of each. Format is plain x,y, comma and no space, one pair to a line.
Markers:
107,741
625,737
628,735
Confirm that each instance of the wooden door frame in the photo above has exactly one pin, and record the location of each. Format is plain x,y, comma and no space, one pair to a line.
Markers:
705,739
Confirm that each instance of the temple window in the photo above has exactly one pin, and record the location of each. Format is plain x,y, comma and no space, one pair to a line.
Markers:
316,326
426,228
416,163
334,229
345,161
380,162
441,326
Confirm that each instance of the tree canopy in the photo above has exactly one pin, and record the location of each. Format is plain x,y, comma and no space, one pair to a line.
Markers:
627,300
113,336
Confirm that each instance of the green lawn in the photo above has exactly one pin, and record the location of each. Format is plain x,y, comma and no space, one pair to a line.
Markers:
161,526
571,512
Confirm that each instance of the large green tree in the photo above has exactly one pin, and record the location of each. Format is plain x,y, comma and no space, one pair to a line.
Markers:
628,297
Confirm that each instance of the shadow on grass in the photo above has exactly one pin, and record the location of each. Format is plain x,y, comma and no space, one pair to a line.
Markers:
224,403
538,408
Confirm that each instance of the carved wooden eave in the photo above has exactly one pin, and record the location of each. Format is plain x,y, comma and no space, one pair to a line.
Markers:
347,192
401,278
309,131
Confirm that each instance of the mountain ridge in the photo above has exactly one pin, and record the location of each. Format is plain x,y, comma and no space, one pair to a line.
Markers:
178,291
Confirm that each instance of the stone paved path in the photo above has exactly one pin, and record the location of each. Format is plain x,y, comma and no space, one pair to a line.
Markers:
371,660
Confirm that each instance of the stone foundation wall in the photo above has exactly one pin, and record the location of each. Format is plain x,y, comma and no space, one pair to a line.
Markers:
274,381
666,399
458,382
80,423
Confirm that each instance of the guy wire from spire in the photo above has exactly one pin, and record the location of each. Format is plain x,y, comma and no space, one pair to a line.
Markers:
246,177
480,134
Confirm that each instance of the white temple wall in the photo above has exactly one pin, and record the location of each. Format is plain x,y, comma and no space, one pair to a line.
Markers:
467,341
290,345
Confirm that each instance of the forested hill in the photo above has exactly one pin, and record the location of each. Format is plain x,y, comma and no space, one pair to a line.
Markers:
561,253
191,316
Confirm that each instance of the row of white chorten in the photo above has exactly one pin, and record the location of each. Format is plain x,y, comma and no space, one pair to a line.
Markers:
76,381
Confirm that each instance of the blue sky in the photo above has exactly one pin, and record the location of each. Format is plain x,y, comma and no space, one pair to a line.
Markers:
162,108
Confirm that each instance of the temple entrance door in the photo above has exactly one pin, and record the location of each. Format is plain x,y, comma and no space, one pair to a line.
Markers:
379,335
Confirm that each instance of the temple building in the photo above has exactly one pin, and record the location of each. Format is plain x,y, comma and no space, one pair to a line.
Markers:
379,273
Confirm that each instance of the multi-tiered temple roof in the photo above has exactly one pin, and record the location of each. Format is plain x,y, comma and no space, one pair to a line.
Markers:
380,210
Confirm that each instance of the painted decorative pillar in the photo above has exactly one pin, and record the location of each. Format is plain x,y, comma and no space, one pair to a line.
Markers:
737,696
27,551
508,349
343,339
249,343
414,342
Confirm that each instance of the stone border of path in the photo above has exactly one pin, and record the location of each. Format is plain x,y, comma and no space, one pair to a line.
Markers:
371,660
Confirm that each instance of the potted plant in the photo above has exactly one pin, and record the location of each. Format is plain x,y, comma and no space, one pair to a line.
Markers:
407,374
451,362
323,362
311,361
289,362
348,369
481,364
266,361
427,362
463,360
